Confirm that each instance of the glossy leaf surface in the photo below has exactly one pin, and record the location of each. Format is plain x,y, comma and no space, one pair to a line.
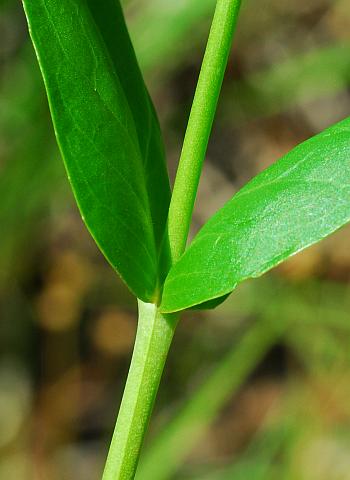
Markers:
296,202
107,131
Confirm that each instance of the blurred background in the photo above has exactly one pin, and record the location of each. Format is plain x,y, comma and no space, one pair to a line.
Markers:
258,388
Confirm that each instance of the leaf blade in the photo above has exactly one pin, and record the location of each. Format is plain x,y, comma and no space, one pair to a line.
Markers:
100,136
296,202
109,18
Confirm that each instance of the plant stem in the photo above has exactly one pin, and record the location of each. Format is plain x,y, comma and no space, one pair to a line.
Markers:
182,433
153,339
200,124
155,330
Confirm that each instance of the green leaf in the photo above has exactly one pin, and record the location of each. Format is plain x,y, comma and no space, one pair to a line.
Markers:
296,202
211,304
107,131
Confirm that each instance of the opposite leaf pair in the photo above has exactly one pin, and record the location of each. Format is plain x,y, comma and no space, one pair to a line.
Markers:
111,143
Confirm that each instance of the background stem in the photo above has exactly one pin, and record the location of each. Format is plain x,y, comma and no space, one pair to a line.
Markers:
154,335
200,124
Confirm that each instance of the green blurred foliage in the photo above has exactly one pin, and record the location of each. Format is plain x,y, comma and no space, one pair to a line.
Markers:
258,388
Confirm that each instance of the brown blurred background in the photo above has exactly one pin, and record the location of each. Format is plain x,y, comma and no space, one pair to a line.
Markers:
256,389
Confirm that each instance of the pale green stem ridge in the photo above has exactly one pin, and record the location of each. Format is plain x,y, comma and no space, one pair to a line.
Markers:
200,124
153,339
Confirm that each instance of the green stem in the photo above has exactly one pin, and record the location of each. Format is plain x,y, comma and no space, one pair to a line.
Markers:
155,331
200,124
182,433
153,339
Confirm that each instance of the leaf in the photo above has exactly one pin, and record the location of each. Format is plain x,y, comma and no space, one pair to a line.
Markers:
107,131
296,202
211,304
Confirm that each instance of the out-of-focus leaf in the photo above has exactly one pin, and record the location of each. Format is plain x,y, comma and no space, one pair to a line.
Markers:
305,77
160,29
296,202
107,131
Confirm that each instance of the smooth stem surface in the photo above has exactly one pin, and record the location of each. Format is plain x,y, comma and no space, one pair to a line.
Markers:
153,339
155,331
181,434
200,124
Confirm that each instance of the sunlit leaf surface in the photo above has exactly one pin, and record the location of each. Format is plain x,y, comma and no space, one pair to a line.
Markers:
296,202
